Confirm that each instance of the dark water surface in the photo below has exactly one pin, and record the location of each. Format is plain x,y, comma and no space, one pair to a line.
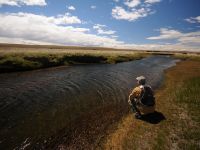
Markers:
50,106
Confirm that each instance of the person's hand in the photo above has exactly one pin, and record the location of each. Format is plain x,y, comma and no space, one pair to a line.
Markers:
129,101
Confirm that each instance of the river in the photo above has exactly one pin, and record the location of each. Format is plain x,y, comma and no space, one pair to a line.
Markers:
71,104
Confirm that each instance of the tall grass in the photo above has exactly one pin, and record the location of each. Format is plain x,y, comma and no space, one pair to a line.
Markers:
17,60
188,97
187,56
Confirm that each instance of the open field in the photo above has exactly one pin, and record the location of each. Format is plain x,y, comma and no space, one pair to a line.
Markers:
19,58
16,57
178,102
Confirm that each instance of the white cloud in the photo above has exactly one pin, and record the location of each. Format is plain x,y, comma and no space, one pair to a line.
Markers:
120,13
132,3
136,9
29,28
114,36
152,1
182,38
42,29
36,19
116,0
98,26
71,28
93,7
108,32
23,2
166,33
193,19
71,8
100,29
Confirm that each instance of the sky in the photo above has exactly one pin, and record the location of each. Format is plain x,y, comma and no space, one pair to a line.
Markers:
131,24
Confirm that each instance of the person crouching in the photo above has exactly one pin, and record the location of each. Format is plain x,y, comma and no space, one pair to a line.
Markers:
141,99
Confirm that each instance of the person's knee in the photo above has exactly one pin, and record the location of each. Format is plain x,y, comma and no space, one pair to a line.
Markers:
133,102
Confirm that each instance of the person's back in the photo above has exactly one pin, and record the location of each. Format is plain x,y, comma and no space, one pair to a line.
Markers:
147,96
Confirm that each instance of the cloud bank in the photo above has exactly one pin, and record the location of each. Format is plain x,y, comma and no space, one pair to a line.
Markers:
55,30
182,38
23,2
28,28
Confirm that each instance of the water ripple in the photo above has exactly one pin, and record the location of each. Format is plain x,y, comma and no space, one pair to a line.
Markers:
53,98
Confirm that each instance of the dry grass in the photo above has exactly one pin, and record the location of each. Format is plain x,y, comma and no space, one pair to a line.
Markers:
29,58
195,57
178,100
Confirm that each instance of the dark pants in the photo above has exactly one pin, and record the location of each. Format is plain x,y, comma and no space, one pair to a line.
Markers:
134,107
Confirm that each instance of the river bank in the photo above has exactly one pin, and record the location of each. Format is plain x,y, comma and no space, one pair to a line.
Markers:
178,102
22,59
14,57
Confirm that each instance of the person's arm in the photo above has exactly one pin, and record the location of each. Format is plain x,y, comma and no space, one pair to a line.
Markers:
151,89
134,94
130,98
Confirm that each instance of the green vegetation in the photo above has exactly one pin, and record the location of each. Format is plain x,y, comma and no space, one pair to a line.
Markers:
187,56
188,97
178,100
34,58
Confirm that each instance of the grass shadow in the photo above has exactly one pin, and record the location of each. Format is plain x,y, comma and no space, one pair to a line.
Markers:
153,118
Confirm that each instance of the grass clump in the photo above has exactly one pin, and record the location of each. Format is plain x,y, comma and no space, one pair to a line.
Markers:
122,58
18,64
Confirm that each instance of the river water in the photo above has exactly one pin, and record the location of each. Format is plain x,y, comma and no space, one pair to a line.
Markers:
49,106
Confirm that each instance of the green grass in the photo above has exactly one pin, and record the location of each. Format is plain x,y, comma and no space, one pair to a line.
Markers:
188,97
182,93
21,59
179,101
194,57
189,94
187,128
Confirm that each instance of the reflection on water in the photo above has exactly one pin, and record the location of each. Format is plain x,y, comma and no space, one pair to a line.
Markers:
36,105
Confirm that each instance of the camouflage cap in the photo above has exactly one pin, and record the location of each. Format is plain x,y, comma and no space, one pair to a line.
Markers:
141,80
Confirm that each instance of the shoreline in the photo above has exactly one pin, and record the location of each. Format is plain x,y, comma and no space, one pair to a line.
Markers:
17,58
14,61
172,131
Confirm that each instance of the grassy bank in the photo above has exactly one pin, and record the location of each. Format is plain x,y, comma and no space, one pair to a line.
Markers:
195,57
178,102
20,59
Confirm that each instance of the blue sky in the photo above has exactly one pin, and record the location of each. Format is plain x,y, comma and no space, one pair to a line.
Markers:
133,24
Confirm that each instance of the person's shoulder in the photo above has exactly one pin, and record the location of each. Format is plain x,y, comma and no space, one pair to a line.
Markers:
137,88
148,86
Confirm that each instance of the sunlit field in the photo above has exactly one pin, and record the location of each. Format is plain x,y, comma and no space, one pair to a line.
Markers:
17,58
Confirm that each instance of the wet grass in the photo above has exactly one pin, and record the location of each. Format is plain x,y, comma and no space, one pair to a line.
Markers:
30,59
178,100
